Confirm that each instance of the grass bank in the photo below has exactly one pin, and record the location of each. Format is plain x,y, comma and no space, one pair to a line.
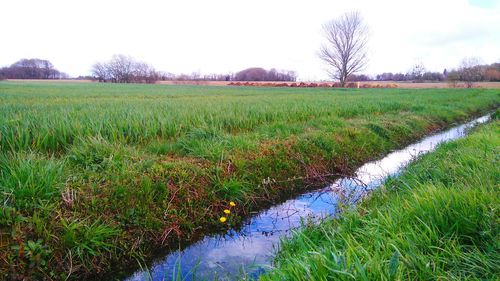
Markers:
439,220
97,175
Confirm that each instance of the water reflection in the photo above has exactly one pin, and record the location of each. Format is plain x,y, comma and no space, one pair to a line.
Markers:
251,248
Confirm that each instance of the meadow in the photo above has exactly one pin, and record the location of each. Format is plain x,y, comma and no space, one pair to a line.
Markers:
93,176
437,221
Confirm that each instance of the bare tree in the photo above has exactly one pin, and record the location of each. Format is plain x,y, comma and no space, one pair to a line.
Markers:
124,69
417,72
144,73
100,72
470,71
121,68
32,69
345,49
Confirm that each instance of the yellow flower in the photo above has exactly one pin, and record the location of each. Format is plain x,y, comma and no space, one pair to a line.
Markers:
227,212
222,219
232,204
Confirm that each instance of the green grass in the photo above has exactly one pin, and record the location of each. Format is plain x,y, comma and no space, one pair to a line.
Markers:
438,221
95,175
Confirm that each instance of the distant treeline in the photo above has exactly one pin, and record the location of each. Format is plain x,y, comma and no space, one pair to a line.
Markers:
124,69
466,72
249,74
31,69
260,74
426,76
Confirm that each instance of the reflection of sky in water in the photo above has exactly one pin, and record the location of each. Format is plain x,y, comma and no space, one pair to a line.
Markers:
252,247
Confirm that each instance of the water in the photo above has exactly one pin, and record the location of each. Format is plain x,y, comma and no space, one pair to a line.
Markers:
251,248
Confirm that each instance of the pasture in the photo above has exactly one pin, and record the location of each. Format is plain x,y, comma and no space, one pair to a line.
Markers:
96,174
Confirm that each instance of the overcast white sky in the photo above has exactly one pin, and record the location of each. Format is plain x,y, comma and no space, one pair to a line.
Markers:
223,36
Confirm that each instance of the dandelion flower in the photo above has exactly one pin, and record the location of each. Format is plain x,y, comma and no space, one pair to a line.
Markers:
223,219
232,204
227,212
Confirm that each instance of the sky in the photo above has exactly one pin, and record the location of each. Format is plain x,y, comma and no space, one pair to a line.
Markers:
223,36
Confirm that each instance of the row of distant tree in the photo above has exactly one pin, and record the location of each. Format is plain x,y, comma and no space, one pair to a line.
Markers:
125,69
31,69
469,71
249,74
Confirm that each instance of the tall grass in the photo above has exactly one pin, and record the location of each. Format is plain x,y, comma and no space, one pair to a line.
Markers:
50,117
437,221
152,164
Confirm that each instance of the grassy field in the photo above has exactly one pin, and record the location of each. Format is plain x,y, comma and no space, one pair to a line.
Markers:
438,221
97,175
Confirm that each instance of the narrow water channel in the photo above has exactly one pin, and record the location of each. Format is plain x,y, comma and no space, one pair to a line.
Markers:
250,249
